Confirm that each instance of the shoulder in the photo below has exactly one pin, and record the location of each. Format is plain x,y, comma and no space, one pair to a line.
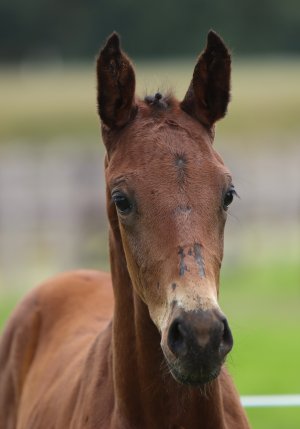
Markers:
60,295
74,283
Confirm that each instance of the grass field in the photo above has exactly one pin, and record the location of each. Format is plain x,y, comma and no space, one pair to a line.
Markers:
263,304
46,102
260,296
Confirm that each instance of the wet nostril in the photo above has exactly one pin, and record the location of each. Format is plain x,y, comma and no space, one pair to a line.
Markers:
227,340
177,338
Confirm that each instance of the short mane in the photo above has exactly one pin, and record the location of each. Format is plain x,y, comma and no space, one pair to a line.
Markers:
160,101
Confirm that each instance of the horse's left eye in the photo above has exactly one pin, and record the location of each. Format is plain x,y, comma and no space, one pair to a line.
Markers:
122,203
228,198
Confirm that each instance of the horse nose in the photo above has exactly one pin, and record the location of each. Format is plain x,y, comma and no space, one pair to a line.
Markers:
200,334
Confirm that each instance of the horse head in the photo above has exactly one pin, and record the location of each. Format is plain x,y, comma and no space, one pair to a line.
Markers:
168,195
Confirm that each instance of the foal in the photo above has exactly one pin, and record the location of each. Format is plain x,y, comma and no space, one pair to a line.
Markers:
159,363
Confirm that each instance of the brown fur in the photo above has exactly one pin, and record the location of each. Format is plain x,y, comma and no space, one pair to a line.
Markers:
63,362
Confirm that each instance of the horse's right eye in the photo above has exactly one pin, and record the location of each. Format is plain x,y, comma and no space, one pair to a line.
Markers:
122,202
228,198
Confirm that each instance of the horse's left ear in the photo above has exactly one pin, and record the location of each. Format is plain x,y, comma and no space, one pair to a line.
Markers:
209,92
116,85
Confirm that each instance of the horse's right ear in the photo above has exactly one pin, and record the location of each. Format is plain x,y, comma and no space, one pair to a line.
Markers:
116,85
209,92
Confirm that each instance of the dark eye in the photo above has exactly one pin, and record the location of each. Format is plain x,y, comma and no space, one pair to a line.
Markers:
228,198
122,203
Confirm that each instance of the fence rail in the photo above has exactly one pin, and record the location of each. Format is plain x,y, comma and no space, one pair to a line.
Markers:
265,401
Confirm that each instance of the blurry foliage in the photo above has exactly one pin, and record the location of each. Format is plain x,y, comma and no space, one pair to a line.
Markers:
75,29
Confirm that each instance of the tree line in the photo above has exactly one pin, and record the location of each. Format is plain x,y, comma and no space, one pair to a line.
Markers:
75,29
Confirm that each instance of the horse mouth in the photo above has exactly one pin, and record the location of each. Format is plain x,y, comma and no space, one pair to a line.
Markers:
193,378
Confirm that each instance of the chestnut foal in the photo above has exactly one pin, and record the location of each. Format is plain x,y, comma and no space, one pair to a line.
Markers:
159,363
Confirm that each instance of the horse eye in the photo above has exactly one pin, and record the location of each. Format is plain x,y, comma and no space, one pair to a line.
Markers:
122,203
228,198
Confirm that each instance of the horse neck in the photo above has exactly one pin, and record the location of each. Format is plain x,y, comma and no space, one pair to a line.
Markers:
145,393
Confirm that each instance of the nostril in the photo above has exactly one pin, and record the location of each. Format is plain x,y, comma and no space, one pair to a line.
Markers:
227,340
177,338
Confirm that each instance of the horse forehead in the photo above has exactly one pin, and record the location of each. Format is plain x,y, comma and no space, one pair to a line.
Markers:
150,143
158,144
171,129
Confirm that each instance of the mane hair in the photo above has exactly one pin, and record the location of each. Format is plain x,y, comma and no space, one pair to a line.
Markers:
159,101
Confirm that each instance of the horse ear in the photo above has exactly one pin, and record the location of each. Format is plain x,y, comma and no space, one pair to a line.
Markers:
209,92
116,85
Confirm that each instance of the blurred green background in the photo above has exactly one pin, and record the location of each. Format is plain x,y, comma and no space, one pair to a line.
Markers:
52,212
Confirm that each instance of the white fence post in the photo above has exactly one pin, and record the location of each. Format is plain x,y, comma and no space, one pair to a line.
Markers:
264,401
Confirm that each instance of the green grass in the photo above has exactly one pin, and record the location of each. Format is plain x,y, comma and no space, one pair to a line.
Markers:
38,103
274,418
43,102
7,303
262,304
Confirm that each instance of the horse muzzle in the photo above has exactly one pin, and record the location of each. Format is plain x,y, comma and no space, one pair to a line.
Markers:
195,344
